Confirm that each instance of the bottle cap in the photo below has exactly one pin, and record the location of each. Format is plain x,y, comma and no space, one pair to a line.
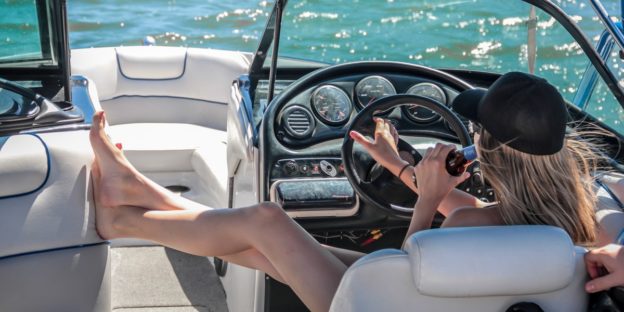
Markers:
470,153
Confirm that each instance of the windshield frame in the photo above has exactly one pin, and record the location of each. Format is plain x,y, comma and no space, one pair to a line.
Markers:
54,79
268,40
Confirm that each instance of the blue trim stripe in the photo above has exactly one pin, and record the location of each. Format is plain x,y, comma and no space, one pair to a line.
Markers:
45,146
53,250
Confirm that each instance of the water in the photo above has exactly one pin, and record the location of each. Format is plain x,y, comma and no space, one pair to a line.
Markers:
439,33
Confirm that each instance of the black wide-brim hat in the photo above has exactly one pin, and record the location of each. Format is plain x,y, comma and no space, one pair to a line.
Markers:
520,110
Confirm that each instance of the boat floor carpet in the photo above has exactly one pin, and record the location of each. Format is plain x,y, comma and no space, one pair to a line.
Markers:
160,279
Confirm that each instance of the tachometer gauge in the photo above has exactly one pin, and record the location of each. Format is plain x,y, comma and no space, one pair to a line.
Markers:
429,90
331,104
372,88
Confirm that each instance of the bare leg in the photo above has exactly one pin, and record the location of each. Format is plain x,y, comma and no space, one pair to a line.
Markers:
252,258
310,270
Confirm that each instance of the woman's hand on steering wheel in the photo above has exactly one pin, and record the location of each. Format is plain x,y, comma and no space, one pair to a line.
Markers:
384,147
436,183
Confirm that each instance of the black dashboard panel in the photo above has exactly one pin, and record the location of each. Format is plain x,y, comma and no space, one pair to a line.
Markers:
292,158
323,130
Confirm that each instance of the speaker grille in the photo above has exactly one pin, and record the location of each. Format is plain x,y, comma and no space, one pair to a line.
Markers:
298,121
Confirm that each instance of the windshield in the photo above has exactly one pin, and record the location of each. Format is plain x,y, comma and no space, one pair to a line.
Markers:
26,38
483,35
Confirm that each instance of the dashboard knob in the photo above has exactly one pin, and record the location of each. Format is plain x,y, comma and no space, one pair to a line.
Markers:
328,168
477,179
291,168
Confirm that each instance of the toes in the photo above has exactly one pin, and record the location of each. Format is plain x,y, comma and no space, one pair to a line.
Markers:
98,119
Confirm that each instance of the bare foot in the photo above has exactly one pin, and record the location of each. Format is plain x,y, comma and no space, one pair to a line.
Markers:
105,217
118,182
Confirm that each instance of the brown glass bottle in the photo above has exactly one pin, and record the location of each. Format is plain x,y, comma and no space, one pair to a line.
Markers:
456,161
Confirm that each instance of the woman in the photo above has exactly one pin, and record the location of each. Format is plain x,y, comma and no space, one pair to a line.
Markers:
523,112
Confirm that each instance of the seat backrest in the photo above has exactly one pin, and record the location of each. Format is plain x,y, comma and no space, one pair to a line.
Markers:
147,84
469,269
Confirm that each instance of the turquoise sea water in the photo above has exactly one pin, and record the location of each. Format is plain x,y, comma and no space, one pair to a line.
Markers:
489,35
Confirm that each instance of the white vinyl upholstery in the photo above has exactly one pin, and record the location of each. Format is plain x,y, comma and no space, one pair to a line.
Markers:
23,164
61,213
609,215
166,146
167,106
171,148
469,269
182,78
150,109
151,63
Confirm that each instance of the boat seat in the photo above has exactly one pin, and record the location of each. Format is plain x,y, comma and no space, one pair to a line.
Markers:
609,215
162,84
167,106
469,269
173,147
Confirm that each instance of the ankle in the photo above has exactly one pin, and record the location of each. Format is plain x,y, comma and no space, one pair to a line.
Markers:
120,223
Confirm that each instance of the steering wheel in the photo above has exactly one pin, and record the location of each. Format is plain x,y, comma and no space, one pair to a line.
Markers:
376,185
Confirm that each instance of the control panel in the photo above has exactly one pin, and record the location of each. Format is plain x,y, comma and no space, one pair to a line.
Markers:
328,167
308,167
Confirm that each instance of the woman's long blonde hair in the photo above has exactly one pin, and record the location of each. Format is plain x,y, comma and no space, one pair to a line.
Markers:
553,189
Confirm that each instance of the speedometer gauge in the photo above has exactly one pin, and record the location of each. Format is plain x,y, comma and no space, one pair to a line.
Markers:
372,88
331,104
428,90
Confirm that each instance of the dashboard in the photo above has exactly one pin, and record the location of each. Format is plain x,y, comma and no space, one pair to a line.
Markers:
302,130
323,111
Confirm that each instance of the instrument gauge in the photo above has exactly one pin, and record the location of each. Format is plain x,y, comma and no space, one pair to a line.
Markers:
372,88
331,104
428,90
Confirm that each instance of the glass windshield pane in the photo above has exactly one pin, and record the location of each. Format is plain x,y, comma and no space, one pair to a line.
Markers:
21,33
602,104
482,35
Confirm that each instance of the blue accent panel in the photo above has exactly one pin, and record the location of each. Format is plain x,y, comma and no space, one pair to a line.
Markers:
244,84
612,28
53,250
45,146
590,76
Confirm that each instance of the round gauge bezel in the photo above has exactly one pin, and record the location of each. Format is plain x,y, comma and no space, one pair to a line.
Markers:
318,114
434,118
361,82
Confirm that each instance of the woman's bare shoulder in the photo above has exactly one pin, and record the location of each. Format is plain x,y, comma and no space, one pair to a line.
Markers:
471,216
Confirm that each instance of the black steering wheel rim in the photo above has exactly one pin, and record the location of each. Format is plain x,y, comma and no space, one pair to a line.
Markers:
364,123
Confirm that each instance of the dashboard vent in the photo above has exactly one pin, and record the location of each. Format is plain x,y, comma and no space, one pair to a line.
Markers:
298,121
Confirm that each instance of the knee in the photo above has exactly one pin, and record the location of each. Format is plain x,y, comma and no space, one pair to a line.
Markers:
269,211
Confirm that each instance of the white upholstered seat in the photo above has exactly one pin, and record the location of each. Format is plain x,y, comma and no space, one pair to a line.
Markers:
168,107
469,269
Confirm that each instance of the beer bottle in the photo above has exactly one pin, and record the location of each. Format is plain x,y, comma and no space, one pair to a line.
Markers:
456,161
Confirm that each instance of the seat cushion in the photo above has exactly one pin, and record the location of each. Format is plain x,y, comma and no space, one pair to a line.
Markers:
458,262
155,147
473,269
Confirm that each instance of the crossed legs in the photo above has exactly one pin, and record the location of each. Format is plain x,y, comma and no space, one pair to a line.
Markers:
261,237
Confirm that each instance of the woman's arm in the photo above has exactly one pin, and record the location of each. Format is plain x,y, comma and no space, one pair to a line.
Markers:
436,186
383,150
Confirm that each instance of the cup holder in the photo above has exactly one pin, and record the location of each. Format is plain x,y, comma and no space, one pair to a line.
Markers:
178,189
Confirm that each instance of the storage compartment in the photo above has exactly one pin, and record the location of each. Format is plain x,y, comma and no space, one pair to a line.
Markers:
315,197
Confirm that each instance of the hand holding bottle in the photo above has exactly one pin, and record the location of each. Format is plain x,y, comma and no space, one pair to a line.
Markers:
434,181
